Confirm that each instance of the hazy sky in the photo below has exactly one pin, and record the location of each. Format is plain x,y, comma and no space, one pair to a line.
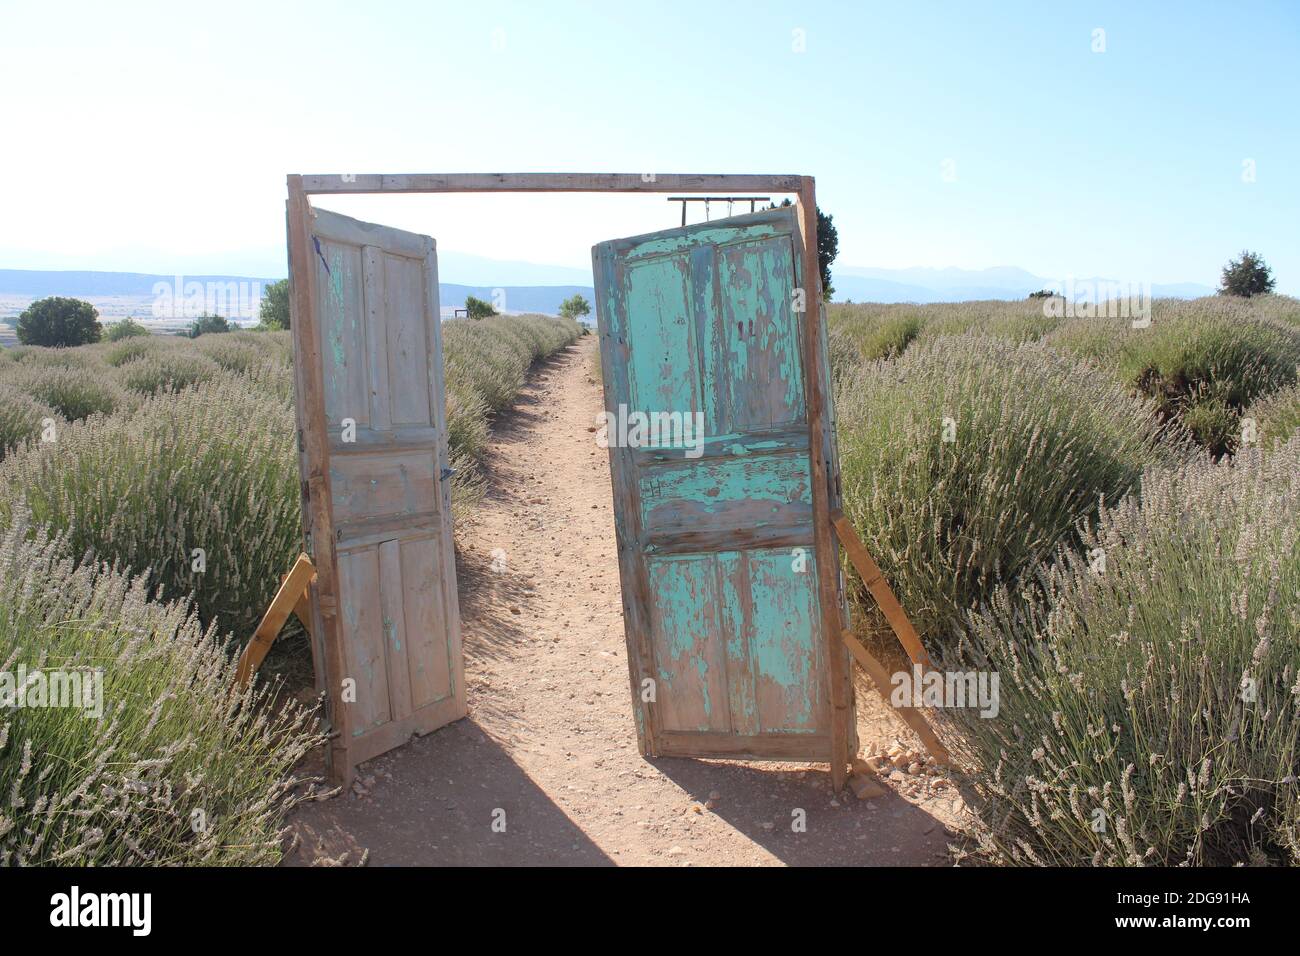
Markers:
156,137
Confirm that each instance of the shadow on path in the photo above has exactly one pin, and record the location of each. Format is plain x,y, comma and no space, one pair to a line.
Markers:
414,814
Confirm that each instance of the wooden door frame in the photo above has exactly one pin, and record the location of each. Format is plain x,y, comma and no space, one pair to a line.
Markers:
317,525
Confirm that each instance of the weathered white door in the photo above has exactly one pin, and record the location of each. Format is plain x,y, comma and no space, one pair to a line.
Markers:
376,496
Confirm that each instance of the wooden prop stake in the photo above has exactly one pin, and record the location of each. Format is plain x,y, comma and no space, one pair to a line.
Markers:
902,626
290,599
911,716
880,590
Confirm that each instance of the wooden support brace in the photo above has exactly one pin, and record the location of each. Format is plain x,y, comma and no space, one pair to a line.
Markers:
902,626
880,677
290,599
880,590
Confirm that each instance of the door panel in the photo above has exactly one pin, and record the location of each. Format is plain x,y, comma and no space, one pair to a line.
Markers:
378,505
726,643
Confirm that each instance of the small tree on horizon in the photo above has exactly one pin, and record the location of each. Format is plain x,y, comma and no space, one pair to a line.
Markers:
209,324
59,322
273,313
477,308
828,247
1246,275
124,329
574,306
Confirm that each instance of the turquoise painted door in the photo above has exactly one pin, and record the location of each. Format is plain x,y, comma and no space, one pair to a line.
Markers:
704,369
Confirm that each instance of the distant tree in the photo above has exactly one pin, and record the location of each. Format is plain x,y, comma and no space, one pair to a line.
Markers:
1246,276
575,306
477,308
59,321
828,247
125,329
1043,294
273,314
208,324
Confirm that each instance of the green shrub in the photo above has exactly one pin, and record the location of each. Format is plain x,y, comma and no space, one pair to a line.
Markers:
230,354
1035,439
884,330
129,349
477,308
75,393
59,322
180,769
1148,704
22,418
1277,416
1202,361
467,429
1013,321
1097,339
1185,354
216,468
1246,275
874,331
33,356
210,325
1212,422
167,371
574,306
491,356
212,468
124,329
273,312
275,346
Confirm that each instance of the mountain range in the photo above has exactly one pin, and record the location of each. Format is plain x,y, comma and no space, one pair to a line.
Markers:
535,287
961,285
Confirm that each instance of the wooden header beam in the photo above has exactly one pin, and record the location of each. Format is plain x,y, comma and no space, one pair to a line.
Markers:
548,183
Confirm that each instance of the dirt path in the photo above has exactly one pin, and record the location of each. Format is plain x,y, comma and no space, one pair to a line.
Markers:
549,748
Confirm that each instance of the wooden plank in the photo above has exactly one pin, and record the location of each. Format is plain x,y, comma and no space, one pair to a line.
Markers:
549,182
367,487
290,596
677,541
302,607
392,594
692,669
431,671
448,601
875,581
336,227
911,715
789,747
362,616
318,523
635,588
374,293
840,699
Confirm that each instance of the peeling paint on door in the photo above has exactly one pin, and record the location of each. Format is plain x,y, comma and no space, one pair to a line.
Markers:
716,552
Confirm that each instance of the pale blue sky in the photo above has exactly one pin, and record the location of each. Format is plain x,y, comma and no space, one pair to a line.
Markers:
156,137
